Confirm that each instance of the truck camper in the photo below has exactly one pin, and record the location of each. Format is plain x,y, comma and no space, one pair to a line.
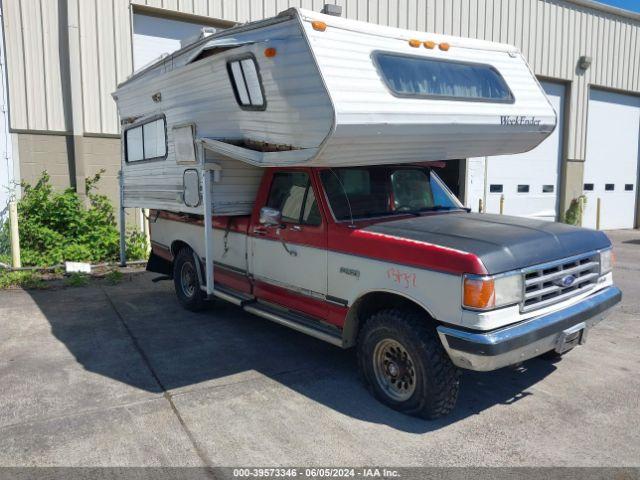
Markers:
290,167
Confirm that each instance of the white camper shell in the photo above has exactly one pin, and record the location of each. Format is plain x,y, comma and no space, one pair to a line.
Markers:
308,89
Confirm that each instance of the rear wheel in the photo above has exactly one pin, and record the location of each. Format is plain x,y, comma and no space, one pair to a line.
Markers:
405,366
186,281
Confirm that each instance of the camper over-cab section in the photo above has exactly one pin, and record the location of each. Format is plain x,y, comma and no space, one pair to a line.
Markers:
305,88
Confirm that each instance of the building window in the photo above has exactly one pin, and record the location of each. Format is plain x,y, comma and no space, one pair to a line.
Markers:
495,188
523,188
147,141
588,187
548,188
628,187
411,76
609,187
247,85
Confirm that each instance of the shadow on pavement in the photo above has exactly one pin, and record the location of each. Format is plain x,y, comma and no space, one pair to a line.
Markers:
137,333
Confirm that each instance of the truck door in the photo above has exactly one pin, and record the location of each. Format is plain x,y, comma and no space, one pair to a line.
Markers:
289,260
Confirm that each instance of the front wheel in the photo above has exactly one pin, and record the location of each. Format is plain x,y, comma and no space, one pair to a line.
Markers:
186,281
405,366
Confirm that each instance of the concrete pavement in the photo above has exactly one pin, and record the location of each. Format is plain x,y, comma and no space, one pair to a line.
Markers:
122,376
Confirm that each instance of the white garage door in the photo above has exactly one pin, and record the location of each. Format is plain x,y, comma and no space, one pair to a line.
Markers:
611,166
528,181
154,36
6,163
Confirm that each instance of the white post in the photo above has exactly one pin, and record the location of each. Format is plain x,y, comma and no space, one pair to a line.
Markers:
15,235
147,229
123,240
208,227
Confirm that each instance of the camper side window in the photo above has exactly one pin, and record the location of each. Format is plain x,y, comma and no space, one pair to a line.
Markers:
247,84
147,141
412,76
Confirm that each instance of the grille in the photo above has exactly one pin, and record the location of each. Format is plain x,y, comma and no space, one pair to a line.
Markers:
544,286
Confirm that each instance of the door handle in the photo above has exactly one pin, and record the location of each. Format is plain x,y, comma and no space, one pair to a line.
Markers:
296,228
260,231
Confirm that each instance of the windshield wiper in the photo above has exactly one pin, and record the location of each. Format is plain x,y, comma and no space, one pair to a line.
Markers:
435,208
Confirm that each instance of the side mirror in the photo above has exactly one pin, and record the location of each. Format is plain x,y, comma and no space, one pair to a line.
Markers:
270,217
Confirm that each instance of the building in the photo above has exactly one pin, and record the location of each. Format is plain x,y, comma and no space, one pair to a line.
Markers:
65,57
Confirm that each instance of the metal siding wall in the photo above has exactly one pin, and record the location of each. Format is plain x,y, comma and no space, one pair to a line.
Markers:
551,33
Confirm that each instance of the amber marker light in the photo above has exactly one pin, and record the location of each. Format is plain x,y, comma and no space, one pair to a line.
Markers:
429,44
270,52
319,26
415,43
479,293
444,47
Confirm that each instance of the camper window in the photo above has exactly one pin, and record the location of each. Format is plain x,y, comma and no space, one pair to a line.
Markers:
411,76
247,85
147,141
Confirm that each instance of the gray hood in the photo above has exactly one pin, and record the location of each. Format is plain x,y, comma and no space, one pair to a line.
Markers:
503,243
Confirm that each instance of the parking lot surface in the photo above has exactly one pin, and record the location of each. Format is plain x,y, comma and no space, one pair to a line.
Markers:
120,375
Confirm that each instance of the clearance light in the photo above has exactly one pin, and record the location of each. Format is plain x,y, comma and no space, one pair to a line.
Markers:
444,47
415,43
429,44
270,52
486,293
319,26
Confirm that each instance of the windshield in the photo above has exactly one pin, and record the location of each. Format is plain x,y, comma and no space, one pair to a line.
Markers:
366,192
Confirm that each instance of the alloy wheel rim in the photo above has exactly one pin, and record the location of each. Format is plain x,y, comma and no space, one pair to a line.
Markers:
188,280
394,370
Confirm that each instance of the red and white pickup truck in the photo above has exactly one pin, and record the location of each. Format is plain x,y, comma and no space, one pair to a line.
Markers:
387,260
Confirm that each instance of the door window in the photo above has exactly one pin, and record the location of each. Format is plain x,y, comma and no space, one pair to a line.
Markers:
292,194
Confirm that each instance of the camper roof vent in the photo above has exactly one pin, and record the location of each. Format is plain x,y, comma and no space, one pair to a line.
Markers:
335,10
204,32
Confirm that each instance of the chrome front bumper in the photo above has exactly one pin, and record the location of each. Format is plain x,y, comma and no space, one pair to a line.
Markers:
484,351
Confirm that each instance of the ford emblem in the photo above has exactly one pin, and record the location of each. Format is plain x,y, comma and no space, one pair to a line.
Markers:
567,281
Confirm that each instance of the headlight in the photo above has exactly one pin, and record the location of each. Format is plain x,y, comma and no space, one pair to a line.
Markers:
489,292
607,259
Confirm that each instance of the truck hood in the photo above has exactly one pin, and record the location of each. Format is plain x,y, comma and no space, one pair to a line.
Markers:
502,243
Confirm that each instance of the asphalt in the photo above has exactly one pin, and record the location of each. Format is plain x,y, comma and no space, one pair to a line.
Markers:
122,376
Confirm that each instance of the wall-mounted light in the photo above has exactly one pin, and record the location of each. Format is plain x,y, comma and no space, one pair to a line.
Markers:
584,62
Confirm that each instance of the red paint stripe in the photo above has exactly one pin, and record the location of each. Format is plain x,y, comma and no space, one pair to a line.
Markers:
321,309
388,248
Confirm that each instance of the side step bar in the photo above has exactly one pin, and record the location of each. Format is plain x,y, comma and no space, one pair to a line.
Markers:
237,298
301,323
297,322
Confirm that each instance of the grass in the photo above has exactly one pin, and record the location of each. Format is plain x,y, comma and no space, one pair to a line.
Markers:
77,280
114,277
24,279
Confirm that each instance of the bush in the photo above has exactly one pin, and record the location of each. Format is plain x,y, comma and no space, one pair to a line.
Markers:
573,215
58,226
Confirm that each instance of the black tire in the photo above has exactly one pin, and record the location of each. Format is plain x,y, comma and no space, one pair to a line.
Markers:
186,283
436,380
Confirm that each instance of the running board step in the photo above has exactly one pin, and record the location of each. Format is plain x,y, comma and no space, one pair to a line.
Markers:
232,296
310,326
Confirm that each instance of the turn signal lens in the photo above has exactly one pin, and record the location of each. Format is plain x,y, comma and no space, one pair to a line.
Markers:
607,260
415,43
444,46
479,293
319,26
270,52
429,44
486,293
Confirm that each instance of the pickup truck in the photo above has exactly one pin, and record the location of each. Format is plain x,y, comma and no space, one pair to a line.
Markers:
387,260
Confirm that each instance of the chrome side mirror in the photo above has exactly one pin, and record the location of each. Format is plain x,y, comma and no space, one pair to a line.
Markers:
270,217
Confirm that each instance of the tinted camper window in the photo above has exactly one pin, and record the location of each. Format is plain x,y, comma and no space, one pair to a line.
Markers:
411,76
247,84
